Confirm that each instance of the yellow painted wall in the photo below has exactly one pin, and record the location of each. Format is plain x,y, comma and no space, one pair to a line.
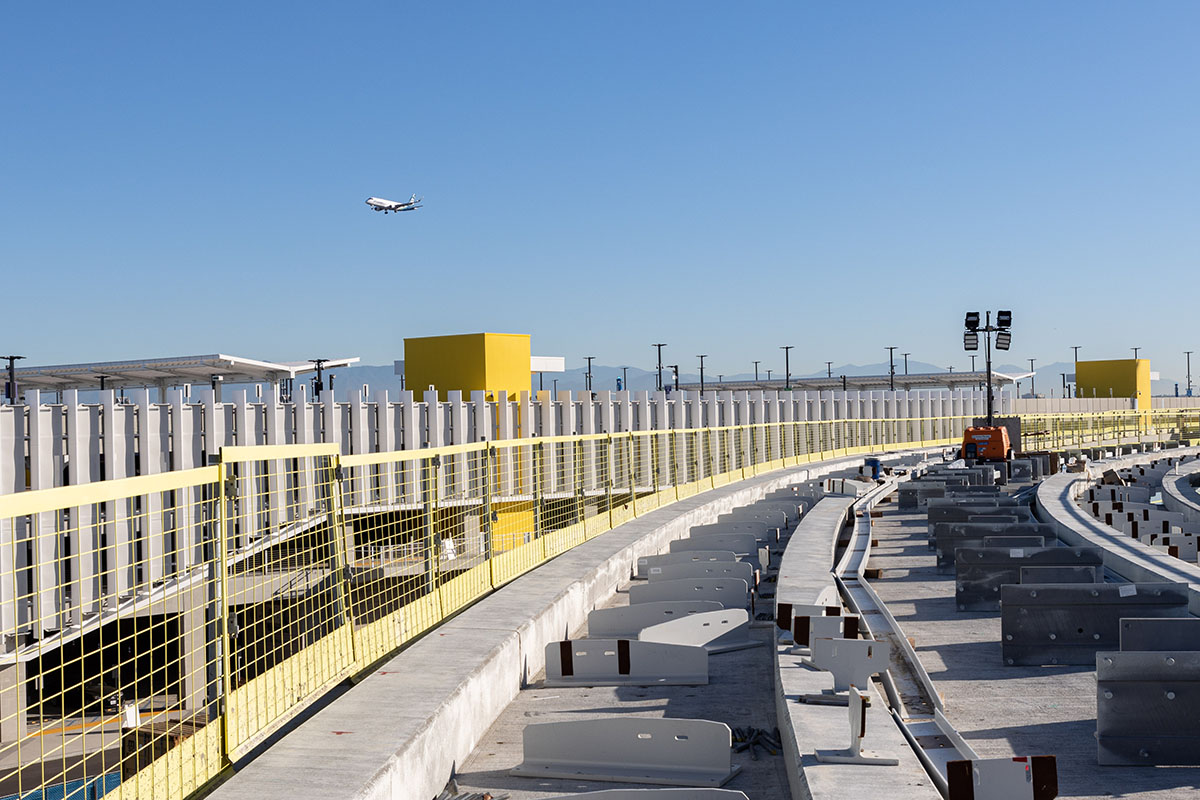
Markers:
507,363
1125,377
493,362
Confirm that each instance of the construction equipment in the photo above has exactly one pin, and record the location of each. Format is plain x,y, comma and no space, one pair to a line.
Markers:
986,444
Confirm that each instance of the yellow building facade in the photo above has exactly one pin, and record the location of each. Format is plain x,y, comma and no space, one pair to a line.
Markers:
1123,377
497,363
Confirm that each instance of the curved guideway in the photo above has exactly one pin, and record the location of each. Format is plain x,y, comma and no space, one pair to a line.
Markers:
1127,557
1006,711
1180,495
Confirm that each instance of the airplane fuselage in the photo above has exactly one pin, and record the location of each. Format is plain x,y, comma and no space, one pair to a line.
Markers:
381,204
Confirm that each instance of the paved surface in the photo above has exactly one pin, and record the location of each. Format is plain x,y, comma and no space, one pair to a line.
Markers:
1003,711
740,693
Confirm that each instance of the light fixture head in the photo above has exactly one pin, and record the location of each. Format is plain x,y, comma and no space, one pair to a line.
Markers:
1003,340
970,340
1004,319
972,320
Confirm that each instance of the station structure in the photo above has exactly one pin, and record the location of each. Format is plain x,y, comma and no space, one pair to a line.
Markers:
481,588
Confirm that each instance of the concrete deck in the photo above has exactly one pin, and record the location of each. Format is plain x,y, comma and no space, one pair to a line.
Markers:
739,693
1003,711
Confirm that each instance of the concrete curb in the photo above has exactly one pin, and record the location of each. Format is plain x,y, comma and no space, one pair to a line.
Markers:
403,731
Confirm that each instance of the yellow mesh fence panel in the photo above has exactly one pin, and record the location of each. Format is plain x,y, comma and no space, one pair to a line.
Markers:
109,610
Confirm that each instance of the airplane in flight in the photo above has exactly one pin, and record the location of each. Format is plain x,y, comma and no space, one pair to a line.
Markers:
379,204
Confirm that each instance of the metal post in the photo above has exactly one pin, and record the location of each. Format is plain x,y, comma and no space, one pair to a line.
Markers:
675,374
1076,347
828,369
625,378
702,356
319,386
489,515
906,355
588,377
987,350
1032,378
787,367
892,368
660,346
1188,353
11,389
429,522
756,363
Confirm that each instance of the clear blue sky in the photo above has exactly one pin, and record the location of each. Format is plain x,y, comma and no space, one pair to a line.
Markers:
726,178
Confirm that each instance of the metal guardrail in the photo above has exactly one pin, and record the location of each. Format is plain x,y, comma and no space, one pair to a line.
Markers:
156,628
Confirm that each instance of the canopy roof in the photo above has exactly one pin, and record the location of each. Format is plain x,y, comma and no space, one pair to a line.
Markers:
858,383
171,371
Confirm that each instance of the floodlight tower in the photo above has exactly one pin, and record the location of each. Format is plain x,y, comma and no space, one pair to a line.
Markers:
1003,342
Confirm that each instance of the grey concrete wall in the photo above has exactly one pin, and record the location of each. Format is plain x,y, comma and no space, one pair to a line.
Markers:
403,730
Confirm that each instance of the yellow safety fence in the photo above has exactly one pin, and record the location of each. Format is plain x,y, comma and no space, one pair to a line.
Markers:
157,628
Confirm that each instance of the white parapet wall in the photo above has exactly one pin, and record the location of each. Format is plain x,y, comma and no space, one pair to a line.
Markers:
72,442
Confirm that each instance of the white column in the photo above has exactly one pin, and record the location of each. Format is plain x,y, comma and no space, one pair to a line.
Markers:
46,589
152,437
642,445
505,456
587,426
13,613
528,430
118,463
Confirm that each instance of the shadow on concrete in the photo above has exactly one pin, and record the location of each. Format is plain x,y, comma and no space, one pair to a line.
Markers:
1078,773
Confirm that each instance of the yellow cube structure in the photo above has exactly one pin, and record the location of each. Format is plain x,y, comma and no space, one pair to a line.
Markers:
497,363
1123,377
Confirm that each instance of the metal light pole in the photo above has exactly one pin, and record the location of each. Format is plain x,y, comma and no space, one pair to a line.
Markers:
555,388
10,390
660,346
1032,378
828,369
1064,376
702,356
951,368
892,368
319,386
625,378
768,376
1076,347
972,329
972,363
787,367
675,372
1135,349
906,355
756,363
589,372
1188,353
